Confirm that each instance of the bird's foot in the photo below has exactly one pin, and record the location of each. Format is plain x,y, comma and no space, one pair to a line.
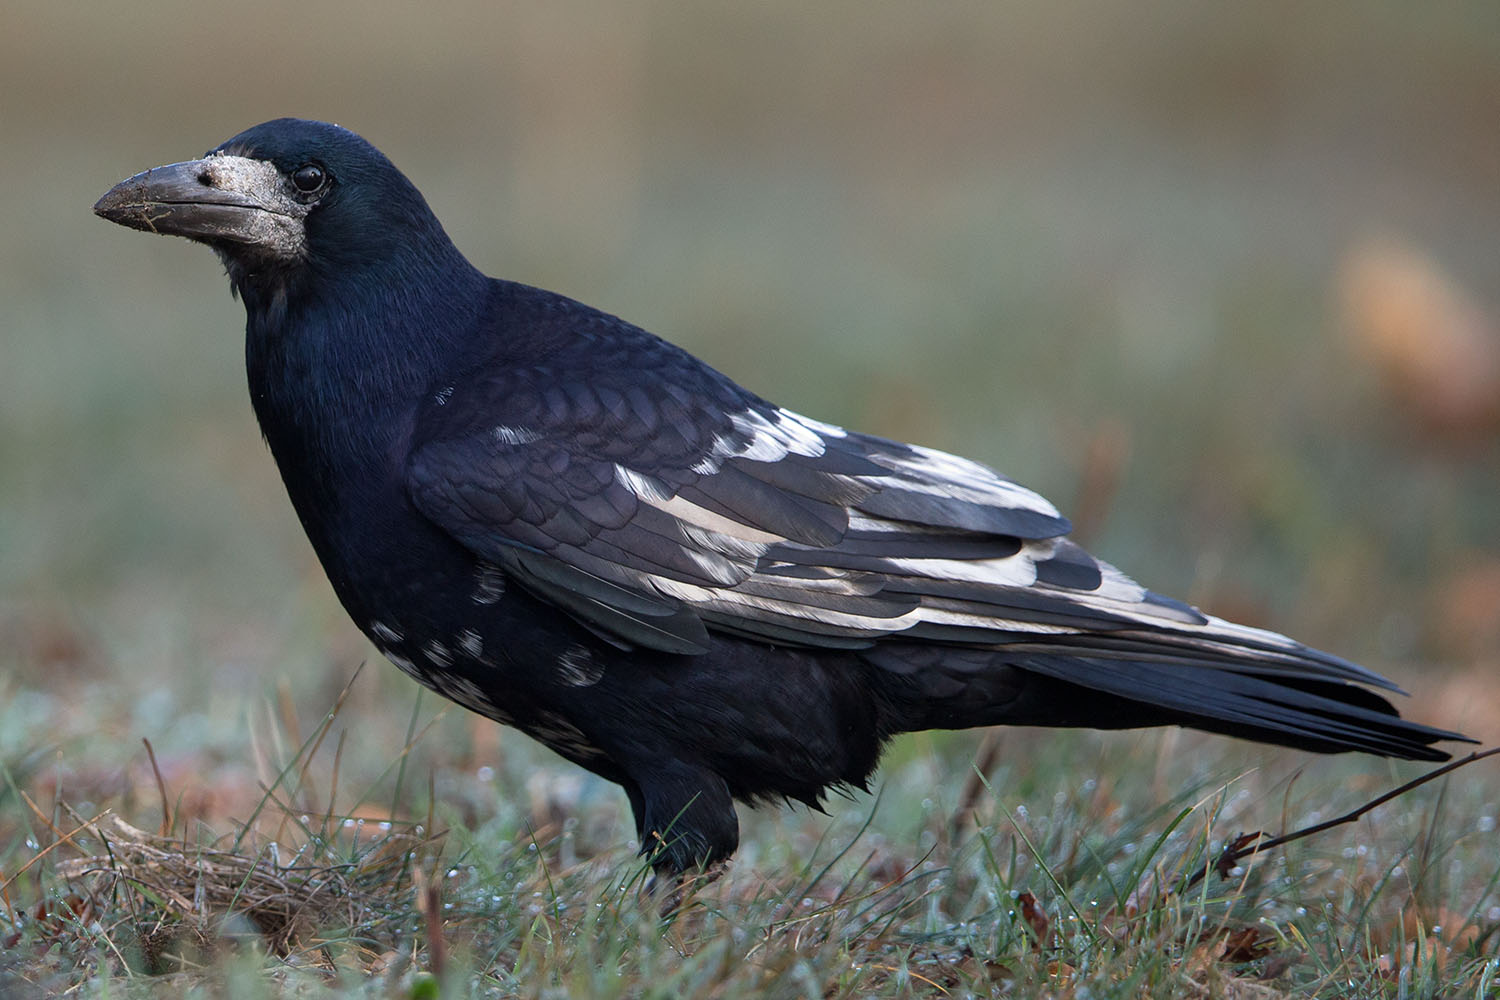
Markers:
675,889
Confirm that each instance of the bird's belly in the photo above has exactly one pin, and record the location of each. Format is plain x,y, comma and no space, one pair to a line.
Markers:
771,721
472,636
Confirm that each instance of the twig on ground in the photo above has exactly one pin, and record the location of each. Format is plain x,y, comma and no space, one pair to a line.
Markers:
1248,844
161,786
199,884
430,906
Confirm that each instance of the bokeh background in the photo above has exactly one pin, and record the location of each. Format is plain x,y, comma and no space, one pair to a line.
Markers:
1222,280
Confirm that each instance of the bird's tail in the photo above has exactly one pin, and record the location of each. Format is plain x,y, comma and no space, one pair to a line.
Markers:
1223,679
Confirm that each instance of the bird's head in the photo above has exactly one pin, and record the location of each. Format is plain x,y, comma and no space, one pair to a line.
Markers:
284,200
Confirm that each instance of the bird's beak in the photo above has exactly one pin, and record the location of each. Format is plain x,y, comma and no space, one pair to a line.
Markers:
220,200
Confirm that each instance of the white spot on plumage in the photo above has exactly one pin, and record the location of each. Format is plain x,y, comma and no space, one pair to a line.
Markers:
576,667
1018,570
561,735
1231,631
866,523
763,438
772,438
948,616
515,435
468,694
716,567
937,473
438,654
450,685
470,642
816,426
441,397
734,602
647,488
404,665
489,584
738,550
1116,586
384,633
820,579
702,517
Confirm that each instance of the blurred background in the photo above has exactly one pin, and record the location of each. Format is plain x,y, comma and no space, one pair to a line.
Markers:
1223,281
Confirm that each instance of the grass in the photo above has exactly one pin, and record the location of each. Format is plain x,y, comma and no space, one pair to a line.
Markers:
423,877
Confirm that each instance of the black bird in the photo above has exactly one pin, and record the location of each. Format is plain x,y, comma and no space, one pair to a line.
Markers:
573,527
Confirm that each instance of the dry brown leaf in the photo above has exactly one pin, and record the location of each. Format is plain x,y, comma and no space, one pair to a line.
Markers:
1436,351
1245,945
1453,929
1036,919
1466,618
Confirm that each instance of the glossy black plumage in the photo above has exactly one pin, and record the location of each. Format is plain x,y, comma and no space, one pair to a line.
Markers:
571,526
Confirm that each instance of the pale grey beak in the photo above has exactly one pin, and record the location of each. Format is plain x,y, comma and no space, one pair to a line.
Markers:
217,200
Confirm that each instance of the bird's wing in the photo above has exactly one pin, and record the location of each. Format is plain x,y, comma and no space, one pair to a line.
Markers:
655,506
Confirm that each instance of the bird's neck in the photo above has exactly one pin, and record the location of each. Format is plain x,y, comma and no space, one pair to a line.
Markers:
337,368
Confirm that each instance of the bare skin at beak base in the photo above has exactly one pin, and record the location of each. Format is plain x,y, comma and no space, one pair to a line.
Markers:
218,199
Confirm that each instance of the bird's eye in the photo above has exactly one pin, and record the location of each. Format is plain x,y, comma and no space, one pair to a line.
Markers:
309,177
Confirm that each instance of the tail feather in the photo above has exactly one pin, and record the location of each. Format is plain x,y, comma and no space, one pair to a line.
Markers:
1313,714
1206,650
1281,693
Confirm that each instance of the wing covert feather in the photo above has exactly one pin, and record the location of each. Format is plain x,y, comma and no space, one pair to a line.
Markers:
658,502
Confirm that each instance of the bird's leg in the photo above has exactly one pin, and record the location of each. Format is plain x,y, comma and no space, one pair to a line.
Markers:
687,826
